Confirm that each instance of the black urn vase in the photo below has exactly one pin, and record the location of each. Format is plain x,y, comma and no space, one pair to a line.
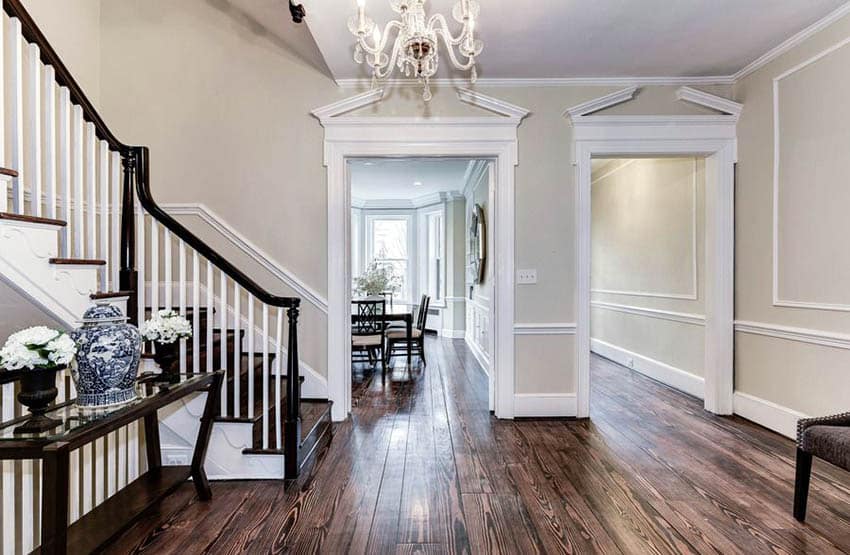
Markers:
38,390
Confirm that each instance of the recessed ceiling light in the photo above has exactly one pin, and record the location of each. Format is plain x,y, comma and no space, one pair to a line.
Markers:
368,163
417,183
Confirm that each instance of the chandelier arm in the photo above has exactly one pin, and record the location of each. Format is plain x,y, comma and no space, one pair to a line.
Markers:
389,67
384,37
444,29
470,62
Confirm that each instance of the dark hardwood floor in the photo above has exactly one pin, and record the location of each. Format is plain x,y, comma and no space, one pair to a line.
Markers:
421,467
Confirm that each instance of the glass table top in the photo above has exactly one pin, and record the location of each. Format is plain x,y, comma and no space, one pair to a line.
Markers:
72,418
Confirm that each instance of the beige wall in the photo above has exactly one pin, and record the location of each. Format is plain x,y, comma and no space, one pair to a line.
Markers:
225,110
73,29
812,206
647,251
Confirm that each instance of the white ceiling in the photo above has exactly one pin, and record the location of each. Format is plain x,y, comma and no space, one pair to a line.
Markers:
593,38
394,178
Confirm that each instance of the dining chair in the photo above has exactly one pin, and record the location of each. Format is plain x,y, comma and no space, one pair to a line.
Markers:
397,339
367,331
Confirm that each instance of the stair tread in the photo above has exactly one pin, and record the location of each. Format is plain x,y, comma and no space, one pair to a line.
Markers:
313,411
78,261
110,294
9,172
31,219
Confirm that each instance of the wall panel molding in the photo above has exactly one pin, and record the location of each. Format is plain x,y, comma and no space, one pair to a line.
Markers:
673,316
790,333
557,328
777,301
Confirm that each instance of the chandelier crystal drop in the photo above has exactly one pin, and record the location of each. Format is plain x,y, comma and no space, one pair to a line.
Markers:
414,50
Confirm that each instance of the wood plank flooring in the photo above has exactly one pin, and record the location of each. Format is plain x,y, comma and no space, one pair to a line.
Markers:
422,467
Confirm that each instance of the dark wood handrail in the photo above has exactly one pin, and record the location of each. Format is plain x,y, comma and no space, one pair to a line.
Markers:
138,156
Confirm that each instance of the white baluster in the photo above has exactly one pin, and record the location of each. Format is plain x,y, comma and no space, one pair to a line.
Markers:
154,273
111,463
87,493
210,310
115,189
132,451
65,167
166,262
48,99
8,393
77,178
237,350
74,489
196,316
33,127
103,184
99,474
121,478
265,339
91,190
5,180
140,262
14,79
278,422
222,319
181,296
250,332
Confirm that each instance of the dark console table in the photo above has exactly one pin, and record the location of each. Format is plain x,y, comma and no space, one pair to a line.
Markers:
119,512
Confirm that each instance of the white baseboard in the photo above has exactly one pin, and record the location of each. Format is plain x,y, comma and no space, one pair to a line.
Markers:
453,334
479,355
543,405
781,420
655,369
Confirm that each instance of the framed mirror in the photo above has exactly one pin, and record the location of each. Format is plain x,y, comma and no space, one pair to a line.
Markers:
477,244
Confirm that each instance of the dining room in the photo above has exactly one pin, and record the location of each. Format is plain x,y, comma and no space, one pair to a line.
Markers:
409,263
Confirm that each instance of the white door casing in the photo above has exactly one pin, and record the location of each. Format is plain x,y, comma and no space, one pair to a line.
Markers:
705,135
487,137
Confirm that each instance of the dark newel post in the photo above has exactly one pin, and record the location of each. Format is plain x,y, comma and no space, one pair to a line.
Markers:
292,422
128,279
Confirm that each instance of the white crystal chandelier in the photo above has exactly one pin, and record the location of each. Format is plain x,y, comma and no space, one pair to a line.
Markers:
414,51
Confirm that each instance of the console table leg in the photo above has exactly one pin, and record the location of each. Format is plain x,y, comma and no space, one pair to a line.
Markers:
54,509
199,475
152,443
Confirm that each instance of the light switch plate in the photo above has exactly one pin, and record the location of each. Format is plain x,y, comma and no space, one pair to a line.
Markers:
526,277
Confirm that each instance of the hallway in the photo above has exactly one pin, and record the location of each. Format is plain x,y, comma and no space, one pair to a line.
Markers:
421,467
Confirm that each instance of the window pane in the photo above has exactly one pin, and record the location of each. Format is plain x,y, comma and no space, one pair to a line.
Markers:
399,268
389,238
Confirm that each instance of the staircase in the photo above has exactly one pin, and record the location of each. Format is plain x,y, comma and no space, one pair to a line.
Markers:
78,223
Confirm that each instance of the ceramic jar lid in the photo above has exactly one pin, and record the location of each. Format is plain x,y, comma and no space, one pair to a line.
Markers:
103,313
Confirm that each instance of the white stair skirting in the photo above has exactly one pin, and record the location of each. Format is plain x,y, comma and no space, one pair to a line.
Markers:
179,423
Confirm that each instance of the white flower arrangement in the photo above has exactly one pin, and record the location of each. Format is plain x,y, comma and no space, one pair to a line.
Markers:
37,348
166,326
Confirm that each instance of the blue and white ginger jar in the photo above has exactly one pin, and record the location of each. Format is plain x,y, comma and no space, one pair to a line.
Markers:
108,352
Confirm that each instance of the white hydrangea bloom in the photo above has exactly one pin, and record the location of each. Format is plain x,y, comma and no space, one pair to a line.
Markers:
167,326
38,347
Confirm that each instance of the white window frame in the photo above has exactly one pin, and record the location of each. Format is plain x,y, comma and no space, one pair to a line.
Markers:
406,216
424,243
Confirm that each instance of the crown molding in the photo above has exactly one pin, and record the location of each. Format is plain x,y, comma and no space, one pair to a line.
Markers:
406,204
701,98
600,103
791,42
492,104
624,81
473,174
348,104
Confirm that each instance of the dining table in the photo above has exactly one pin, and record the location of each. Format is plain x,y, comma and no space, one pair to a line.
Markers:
395,313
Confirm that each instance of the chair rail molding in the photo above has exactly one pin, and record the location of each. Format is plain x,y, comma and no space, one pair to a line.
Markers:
790,333
777,300
555,328
491,137
673,316
249,248
712,136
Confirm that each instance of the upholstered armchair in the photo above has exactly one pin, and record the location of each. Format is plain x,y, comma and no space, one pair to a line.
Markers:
826,437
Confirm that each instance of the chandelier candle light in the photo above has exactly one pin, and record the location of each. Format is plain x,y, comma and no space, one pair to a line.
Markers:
414,50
